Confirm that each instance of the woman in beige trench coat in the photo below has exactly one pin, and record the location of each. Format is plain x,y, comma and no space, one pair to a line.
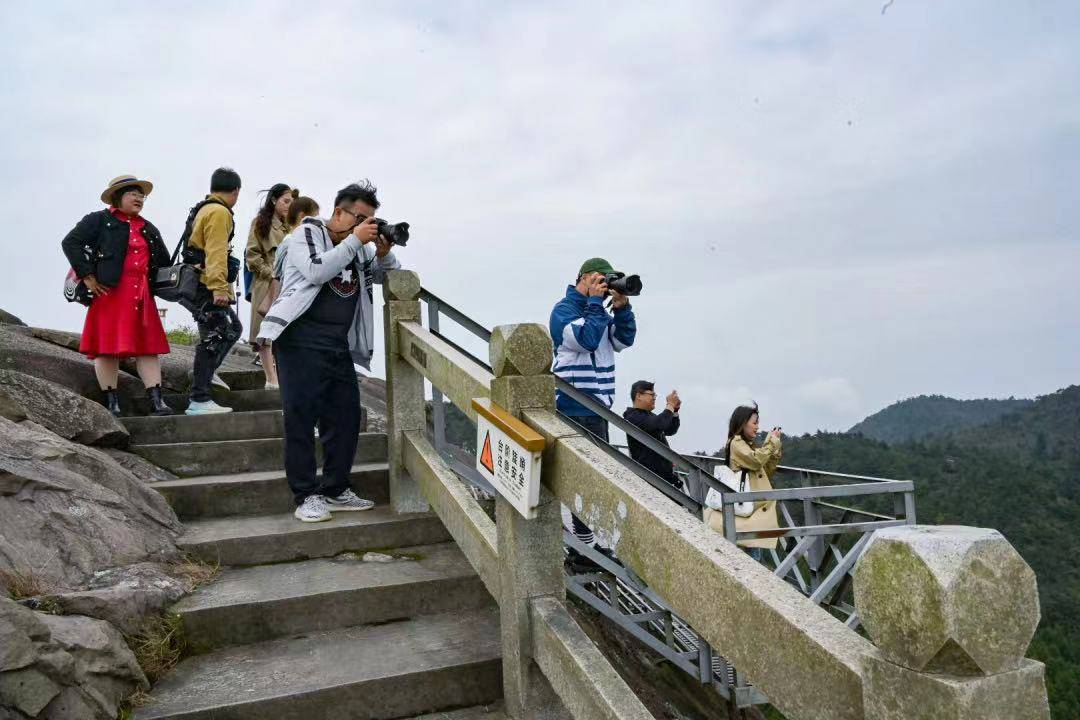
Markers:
743,452
268,230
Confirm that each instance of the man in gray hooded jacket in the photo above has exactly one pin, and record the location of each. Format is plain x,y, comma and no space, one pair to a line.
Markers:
320,325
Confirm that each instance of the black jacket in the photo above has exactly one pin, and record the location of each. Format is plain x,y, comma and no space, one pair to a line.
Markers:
659,426
99,242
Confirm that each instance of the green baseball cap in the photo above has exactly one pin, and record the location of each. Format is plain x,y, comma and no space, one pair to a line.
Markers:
599,265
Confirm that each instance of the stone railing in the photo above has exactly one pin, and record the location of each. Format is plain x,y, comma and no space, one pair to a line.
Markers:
951,609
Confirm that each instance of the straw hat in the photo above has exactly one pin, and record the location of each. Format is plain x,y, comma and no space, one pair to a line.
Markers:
123,181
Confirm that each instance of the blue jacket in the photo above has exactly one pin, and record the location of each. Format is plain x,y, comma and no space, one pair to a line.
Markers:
586,339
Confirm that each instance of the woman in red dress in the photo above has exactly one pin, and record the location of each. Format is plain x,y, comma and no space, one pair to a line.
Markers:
114,252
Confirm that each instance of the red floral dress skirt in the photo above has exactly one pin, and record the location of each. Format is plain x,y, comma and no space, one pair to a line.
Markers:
125,322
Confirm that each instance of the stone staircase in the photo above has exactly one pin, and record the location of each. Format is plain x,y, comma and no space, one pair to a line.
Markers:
298,624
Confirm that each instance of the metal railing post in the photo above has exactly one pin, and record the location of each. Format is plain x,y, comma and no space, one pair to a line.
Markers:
816,553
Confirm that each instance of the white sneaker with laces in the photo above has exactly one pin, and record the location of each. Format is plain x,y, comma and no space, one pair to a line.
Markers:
347,501
313,510
206,408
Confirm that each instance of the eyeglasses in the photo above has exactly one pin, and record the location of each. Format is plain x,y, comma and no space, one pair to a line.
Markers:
648,392
137,193
360,217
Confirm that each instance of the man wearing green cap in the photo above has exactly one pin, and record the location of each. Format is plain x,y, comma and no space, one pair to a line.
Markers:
586,338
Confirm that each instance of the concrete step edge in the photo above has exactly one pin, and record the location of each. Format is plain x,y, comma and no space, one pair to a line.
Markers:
232,528
253,477
343,664
227,443
151,420
448,550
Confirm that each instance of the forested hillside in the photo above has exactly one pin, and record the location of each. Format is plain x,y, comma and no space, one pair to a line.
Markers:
926,415
1019,473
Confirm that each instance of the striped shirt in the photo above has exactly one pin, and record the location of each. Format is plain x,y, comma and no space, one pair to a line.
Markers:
586,338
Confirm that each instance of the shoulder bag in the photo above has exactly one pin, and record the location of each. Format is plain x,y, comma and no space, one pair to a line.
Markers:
735,482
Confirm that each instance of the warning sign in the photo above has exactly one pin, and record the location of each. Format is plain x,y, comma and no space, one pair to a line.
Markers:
509,456
485,455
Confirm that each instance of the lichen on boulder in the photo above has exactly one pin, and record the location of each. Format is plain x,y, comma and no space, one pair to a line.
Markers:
947,599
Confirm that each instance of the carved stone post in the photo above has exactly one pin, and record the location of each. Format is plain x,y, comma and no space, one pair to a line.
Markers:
952,610
404,387
530,551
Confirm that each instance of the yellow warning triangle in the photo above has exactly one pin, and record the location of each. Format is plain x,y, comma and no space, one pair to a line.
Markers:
485,456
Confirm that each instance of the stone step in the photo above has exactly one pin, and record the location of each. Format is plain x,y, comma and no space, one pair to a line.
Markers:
238,400
371,672
252,604
493,711
254,379
233,456
257,493
279,538
202,428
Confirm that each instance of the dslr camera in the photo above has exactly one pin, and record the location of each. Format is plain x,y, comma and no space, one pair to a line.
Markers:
394,233
624,284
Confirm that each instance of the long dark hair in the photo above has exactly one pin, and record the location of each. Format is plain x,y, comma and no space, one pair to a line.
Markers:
266,212
739,418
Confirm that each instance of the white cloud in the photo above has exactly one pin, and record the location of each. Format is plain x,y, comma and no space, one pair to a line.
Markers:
810,191
829,398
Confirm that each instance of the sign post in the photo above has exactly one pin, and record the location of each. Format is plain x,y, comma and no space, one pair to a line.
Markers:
508,455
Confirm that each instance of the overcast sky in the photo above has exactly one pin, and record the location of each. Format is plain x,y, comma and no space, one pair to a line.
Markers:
831,207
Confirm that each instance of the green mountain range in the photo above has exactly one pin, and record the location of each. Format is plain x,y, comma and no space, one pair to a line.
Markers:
1016,470
927,415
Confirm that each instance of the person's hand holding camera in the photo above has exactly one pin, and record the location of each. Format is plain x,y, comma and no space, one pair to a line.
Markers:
367,231
673,401
618,300
222,298
597,286
382,246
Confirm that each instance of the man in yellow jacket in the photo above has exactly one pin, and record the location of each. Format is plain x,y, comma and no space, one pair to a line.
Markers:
209,245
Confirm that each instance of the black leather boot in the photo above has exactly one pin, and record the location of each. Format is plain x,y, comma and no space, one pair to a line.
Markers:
157,403
112,401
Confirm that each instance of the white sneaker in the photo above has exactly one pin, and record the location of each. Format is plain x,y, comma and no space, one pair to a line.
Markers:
347,501
313,510
271,386
206,408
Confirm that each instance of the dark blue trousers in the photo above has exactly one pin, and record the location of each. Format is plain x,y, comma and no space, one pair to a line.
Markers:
318,388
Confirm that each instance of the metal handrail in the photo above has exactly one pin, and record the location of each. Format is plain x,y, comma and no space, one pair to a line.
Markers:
588,401
809,471
811,548
680,461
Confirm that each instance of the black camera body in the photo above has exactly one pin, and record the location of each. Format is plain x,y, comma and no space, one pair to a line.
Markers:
629,285
395,233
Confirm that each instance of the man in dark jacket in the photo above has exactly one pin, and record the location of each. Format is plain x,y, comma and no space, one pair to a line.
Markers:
660,426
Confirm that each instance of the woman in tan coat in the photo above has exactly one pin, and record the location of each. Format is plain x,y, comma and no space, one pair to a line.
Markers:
268,229
743,452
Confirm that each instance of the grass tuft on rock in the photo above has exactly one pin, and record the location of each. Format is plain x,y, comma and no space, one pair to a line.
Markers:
139,698
160,646
195,571
22,584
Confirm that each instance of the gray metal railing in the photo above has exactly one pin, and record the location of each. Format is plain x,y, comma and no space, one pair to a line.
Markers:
818,541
